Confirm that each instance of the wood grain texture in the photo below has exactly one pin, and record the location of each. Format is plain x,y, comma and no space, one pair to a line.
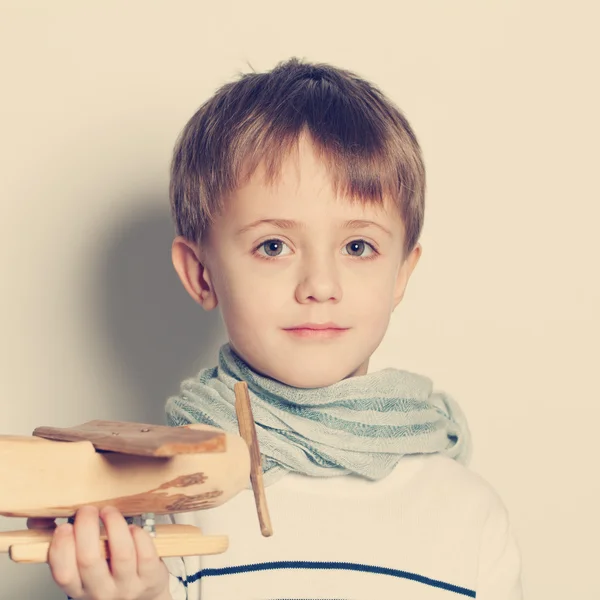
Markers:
39,535
247,429
51,479
140,439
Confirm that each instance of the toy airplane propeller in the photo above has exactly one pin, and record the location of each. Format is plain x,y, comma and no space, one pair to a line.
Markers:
143,470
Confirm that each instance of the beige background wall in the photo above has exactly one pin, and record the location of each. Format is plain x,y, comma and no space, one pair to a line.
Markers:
502,312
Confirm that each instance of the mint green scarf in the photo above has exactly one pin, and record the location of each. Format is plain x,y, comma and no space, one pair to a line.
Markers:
361,425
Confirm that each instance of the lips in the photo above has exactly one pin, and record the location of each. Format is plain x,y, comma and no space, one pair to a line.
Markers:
316,331
317,327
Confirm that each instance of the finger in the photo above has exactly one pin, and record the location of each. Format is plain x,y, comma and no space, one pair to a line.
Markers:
121,547
93,568
151,569
62,561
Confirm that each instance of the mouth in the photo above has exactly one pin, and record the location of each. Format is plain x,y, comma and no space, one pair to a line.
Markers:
316,330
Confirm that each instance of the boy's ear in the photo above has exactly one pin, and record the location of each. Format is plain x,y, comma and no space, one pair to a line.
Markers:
404,273
189,264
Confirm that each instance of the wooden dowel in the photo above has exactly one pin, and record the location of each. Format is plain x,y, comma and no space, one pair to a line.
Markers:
247,428
169,541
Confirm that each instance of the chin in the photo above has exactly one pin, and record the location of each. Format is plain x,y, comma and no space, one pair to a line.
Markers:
306,369
311,378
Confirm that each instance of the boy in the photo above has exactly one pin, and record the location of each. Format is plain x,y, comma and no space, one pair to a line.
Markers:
298,197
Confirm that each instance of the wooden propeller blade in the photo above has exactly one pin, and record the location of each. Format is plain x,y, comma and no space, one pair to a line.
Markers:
247,428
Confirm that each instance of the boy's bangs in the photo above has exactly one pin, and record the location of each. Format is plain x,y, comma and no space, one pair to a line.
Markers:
359,174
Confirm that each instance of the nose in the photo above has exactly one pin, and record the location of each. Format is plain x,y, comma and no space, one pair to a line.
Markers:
319,282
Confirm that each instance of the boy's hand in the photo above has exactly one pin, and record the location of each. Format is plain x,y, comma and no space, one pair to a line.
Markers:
134,571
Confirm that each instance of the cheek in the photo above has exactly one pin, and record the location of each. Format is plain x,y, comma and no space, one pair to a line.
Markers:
248,301
373,290
373,306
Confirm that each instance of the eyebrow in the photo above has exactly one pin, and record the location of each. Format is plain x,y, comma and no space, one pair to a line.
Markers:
289,224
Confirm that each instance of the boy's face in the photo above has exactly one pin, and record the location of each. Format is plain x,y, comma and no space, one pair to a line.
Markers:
282,260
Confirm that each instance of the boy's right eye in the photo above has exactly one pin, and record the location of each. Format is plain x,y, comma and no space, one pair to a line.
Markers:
271,248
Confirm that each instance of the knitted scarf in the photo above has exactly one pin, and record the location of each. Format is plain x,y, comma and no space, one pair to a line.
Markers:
361,425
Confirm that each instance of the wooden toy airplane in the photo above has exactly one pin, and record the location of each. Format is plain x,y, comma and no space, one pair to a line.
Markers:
143,470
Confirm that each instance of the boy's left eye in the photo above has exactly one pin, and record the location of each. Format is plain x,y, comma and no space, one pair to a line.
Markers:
358,247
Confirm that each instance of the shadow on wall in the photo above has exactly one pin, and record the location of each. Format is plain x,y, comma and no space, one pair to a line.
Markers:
155,333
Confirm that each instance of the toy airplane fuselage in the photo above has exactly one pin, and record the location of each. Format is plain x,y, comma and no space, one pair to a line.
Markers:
150,469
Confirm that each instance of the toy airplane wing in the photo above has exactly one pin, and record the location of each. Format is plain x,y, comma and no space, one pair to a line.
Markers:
139,439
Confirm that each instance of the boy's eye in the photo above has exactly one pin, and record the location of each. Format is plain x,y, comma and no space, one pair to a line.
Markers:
272,247
358,247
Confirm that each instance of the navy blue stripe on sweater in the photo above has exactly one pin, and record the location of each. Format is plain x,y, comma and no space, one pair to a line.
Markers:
327,565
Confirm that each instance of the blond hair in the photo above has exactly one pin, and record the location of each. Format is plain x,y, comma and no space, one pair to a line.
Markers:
365,142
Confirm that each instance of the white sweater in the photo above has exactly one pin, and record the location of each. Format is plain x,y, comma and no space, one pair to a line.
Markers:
431,530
